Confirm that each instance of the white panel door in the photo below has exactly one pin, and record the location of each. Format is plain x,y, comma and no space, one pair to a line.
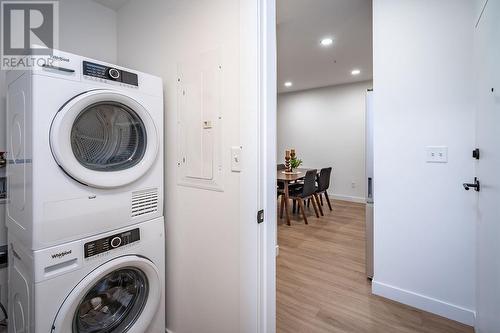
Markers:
487,47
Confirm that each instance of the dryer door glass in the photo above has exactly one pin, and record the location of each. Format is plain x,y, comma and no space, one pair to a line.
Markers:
105,139
108,136
113,304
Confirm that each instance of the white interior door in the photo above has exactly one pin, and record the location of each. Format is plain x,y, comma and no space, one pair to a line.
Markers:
488,168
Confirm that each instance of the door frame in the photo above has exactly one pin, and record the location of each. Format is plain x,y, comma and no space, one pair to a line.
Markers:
486,31
258,95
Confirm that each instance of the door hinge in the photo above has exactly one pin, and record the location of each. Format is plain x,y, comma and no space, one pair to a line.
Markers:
476,154
260,216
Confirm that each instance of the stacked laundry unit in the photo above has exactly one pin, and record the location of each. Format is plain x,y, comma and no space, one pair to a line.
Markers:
85,212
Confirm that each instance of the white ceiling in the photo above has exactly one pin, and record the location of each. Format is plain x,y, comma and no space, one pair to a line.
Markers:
301,26
113,4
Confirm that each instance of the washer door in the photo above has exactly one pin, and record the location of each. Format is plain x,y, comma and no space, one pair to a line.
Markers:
119,296
104,139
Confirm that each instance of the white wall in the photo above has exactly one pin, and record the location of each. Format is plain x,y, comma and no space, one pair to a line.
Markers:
202,236
423,96
86,28
327,128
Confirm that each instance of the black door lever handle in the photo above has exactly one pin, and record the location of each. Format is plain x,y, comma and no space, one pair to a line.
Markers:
476,185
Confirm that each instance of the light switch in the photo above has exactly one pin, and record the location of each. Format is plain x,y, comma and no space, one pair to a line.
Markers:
437,154
236,158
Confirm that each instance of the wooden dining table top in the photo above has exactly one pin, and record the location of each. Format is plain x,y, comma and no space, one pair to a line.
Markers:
297,174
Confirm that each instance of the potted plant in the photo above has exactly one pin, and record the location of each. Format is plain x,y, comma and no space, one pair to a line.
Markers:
295,163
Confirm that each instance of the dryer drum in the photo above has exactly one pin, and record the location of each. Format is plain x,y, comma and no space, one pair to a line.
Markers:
108,136
101,133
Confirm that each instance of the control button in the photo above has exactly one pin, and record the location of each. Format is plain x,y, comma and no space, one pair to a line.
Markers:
115,242
114,73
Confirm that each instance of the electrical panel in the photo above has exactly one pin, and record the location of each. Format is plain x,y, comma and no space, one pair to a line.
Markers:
199,121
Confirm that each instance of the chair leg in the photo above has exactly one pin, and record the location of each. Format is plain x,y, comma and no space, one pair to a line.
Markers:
328,201
282,206
315,208
308,202
315,197
321,198
301,205
294,207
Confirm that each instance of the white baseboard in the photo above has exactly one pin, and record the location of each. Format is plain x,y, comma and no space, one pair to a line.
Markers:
346,198
168,331
429,304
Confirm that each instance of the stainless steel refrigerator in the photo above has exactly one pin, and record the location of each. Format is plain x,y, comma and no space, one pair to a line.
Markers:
369,183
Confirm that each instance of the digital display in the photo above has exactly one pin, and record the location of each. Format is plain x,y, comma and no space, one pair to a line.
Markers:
112,242
109,73
94,70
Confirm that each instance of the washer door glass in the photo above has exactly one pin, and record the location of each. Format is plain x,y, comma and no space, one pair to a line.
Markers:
113,304
108,136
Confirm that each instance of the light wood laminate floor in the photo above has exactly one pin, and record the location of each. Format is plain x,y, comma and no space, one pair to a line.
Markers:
321,284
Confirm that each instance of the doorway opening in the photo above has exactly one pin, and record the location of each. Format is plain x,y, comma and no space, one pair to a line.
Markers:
325,175
324,74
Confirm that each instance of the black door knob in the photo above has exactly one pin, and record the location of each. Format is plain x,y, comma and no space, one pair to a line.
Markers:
476,185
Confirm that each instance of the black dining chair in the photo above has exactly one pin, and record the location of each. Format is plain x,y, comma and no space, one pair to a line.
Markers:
305,192
323,186
280,187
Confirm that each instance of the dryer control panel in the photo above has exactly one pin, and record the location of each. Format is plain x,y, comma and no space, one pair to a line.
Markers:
111,242
109,73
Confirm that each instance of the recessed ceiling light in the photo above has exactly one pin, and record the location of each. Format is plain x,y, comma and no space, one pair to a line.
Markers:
355,72
326,41
288,84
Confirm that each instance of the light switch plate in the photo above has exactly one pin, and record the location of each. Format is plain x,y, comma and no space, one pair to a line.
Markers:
437,154
207,124
236,158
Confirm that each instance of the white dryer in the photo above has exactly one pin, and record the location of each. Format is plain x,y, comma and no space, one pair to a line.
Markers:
110,283
85,150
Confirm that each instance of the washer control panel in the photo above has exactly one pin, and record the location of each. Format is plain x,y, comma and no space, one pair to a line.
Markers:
109,73
112,242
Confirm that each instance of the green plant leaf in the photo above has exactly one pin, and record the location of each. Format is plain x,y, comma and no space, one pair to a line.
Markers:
295,162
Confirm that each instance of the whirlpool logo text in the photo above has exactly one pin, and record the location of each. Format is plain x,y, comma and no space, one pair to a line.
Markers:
61,254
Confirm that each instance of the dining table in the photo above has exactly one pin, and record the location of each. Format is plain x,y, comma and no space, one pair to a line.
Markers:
286,178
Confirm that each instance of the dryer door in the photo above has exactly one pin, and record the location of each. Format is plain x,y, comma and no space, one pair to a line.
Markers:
120,296
104,139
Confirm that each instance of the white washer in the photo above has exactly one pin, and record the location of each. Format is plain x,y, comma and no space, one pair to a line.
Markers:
85,150
112,283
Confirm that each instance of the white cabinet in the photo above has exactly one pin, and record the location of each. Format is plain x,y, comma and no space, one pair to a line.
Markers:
199,121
